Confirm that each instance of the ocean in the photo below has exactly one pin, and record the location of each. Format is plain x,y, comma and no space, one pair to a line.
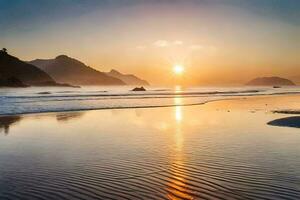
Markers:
58,99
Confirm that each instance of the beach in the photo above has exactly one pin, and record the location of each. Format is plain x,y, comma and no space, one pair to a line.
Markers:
150,100
219,150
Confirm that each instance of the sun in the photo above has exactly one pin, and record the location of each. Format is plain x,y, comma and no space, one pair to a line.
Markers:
178,69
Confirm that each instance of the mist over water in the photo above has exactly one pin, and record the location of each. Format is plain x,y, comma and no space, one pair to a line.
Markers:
51,99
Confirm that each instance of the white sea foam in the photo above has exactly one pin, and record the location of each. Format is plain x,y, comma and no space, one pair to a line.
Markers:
51,99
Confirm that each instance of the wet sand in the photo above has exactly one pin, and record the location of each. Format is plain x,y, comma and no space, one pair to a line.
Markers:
220,150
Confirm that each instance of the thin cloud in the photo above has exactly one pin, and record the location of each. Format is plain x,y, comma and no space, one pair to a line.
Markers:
161,43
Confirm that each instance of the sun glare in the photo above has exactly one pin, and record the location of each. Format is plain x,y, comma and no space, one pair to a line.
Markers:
178,69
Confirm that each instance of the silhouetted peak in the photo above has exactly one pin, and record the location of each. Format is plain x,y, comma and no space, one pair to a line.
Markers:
70,70
62,57
129,79
3,51
113,71
71,61
17,73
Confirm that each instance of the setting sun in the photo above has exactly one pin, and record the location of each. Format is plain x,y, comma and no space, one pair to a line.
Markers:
178,69
149,99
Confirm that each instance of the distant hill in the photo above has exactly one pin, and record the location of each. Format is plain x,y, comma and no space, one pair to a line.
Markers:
12,82
69,70
17,73
270,81
129,79
295,78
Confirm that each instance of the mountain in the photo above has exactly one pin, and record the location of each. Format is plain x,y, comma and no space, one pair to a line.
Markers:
270,81
69,70
129,79
295,78
12,82
17,73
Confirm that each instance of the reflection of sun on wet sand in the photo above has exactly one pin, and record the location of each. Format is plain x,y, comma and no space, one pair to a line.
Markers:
176,186
178,117
181,152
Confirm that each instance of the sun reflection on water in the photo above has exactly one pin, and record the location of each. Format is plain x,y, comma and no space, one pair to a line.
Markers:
178,110
177,185
178,114
178,89
177,126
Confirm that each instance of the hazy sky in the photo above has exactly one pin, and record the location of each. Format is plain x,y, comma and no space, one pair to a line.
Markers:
218,41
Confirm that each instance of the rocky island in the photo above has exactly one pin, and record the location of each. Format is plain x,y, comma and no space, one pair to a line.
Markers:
270,81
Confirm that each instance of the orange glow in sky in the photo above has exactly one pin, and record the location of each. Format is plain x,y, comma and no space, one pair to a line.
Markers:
213,40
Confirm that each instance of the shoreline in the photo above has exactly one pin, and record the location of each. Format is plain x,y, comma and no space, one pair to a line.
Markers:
233,98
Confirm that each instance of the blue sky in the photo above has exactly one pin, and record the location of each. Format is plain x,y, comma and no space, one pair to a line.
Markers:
30,12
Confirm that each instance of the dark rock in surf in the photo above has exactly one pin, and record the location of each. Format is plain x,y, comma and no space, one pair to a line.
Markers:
138,89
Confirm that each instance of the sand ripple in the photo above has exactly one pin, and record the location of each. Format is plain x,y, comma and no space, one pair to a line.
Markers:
130,179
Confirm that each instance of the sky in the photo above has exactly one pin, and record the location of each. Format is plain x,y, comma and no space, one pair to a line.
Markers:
218,42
